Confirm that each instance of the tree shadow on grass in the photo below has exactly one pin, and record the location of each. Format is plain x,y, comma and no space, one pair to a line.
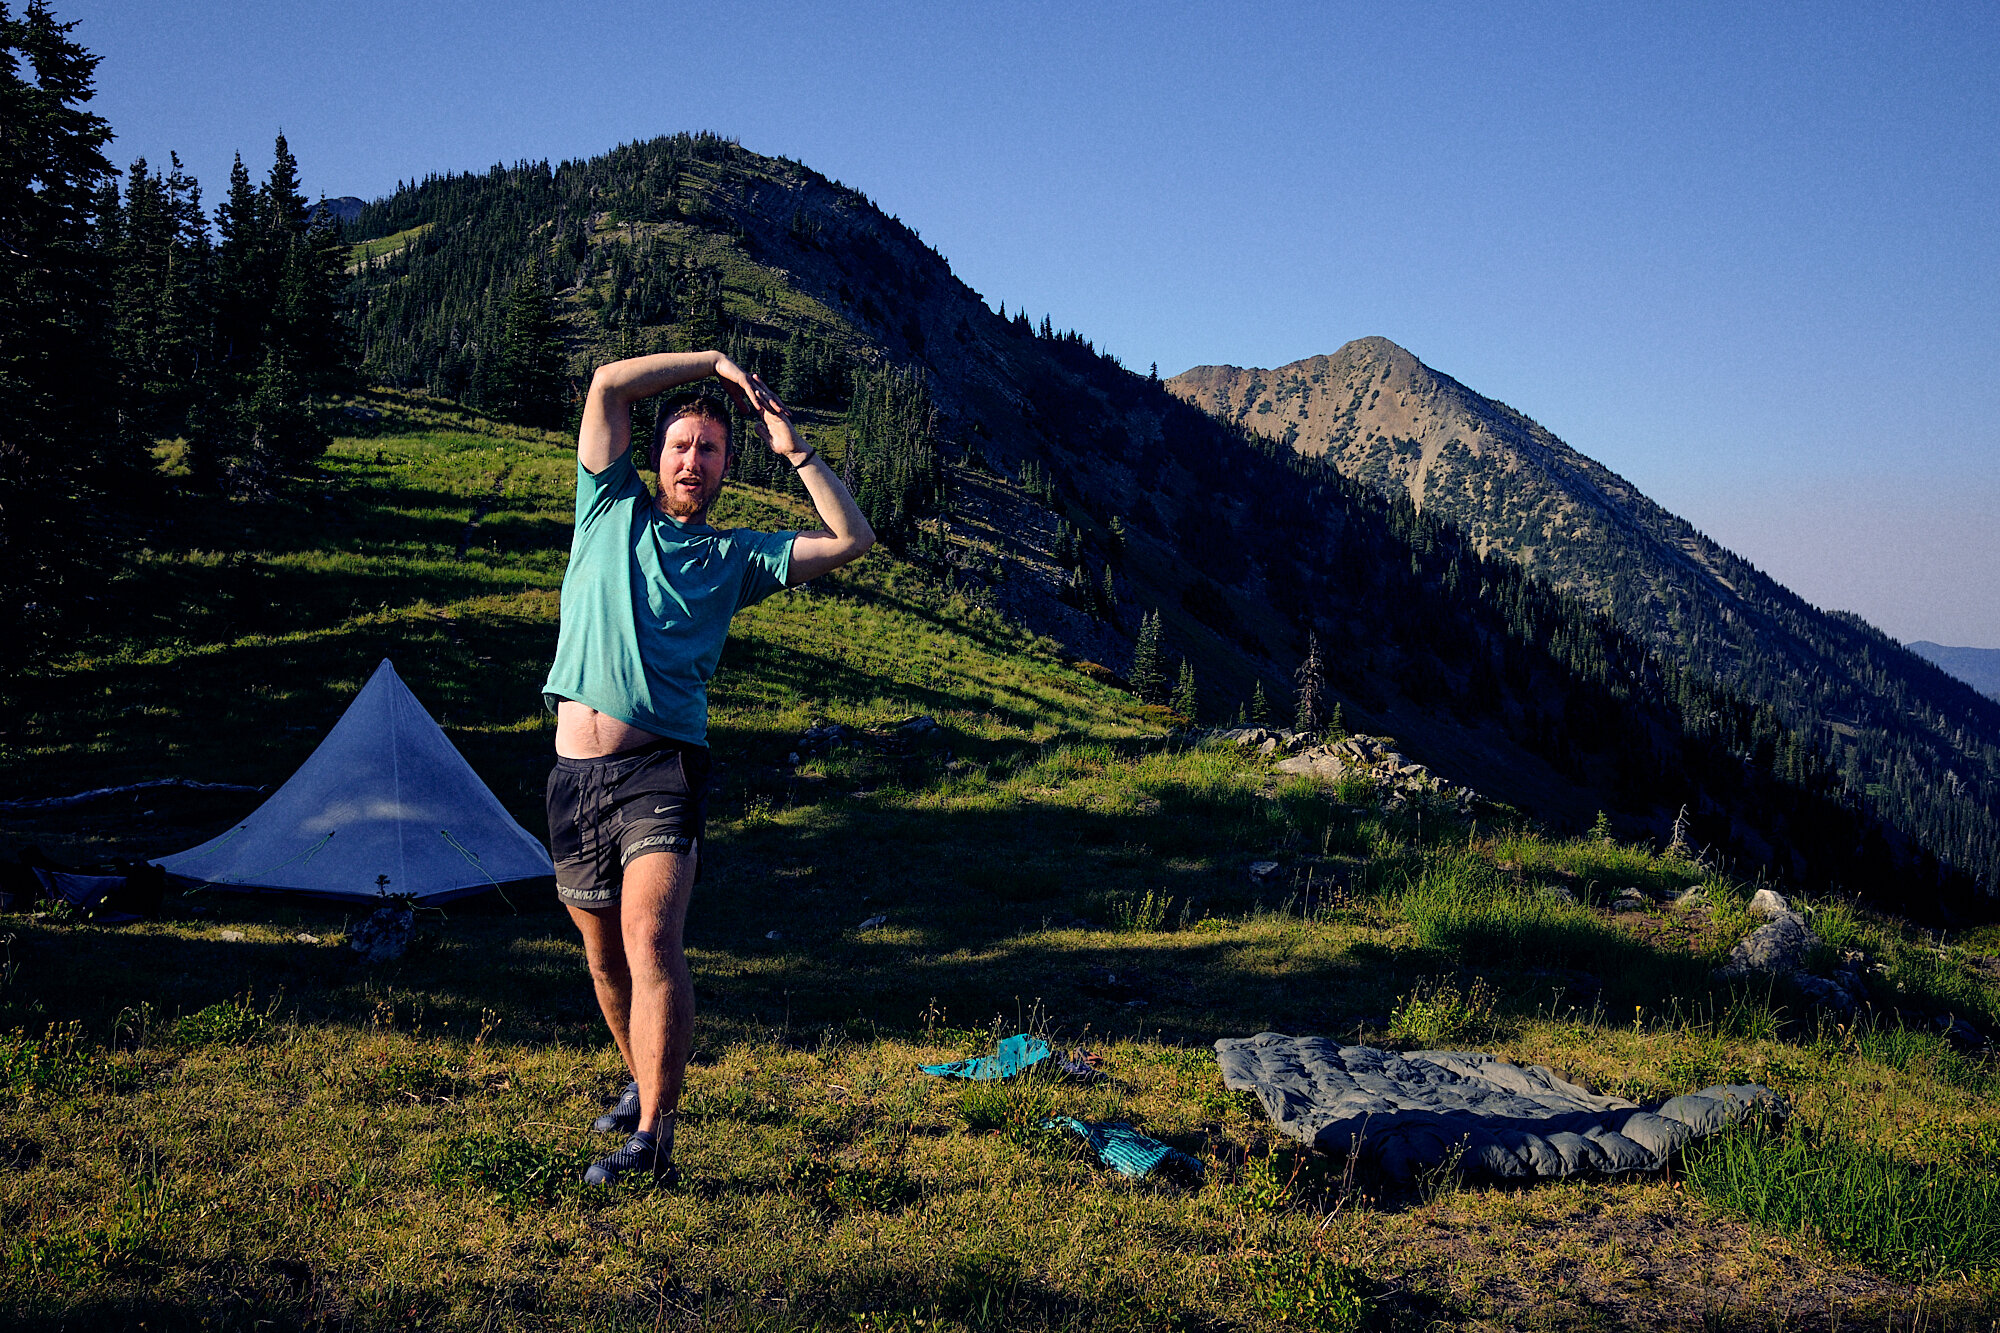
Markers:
990,914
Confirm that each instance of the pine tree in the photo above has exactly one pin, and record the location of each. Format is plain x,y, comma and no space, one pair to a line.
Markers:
279,431
1107,597
892,463
1311,716
1260,706
305,323
527,380
1337,727
162,296
1148,676
1114,541
281,205
1066,545
242,293
61,451
1187,699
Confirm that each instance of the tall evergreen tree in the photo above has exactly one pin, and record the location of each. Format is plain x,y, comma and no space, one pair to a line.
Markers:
306,309
1187,699
529,380
61,451
1260,705
241,294
1148,676
163,300
1311,717
278,428
281,204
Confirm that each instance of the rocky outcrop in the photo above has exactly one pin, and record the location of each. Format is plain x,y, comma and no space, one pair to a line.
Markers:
1397,779
1782,946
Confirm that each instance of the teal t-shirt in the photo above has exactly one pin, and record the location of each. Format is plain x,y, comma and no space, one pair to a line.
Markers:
646,604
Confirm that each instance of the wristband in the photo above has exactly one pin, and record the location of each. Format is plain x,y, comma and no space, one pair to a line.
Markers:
811,454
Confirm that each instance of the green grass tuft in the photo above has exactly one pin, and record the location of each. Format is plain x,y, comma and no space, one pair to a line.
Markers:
1917,1220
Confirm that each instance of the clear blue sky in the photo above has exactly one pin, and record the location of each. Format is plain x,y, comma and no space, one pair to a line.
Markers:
1748,256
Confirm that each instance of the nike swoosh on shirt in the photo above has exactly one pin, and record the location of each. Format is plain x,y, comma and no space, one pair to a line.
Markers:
661,809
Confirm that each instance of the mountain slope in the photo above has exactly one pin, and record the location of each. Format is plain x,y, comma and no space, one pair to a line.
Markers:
1028,470
1922,748
1977,667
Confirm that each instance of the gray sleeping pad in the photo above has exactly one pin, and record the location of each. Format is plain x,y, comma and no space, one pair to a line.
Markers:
1405,1113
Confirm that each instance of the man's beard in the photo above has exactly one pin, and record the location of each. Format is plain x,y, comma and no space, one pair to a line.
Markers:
681,505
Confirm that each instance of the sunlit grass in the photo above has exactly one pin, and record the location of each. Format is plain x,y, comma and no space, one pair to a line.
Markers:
200,1131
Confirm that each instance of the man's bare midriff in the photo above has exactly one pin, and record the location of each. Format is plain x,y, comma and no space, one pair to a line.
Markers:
584,733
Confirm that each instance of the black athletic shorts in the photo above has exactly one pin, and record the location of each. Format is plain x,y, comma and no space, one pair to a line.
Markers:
605,811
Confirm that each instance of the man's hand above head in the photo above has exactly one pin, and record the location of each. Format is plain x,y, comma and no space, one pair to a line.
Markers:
846,535
606,432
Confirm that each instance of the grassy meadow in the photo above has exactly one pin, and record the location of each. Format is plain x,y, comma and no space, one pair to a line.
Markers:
219,1120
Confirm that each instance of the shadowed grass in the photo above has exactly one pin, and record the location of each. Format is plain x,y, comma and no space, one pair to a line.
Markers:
199,1131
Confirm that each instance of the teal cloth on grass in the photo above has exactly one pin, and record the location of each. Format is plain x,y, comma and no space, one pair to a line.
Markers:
1010,1058
1124,1149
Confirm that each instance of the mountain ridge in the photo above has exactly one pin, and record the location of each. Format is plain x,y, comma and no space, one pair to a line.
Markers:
693,241
1413,433
1977,667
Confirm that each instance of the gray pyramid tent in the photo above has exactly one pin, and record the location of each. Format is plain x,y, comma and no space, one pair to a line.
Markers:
384,794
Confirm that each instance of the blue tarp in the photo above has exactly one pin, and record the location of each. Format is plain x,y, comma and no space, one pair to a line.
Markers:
1012,1056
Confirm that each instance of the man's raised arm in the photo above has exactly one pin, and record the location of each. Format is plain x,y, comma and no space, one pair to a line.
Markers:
847,534
606,432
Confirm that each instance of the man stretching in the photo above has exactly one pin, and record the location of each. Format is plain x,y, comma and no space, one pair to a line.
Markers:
645,607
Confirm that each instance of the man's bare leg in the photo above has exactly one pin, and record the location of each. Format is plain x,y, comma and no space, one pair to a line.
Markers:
640,974
604,949
641,977
661,1026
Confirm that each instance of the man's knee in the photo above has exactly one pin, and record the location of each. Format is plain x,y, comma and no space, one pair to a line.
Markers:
612,972
662,964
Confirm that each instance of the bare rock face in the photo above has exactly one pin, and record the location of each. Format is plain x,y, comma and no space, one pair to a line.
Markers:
384,935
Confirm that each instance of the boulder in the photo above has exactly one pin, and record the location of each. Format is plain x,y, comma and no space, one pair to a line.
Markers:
1961,1033
1768,902
384,935
1779,945
1264,872
1630,900
1828,992
1315,762
827,736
